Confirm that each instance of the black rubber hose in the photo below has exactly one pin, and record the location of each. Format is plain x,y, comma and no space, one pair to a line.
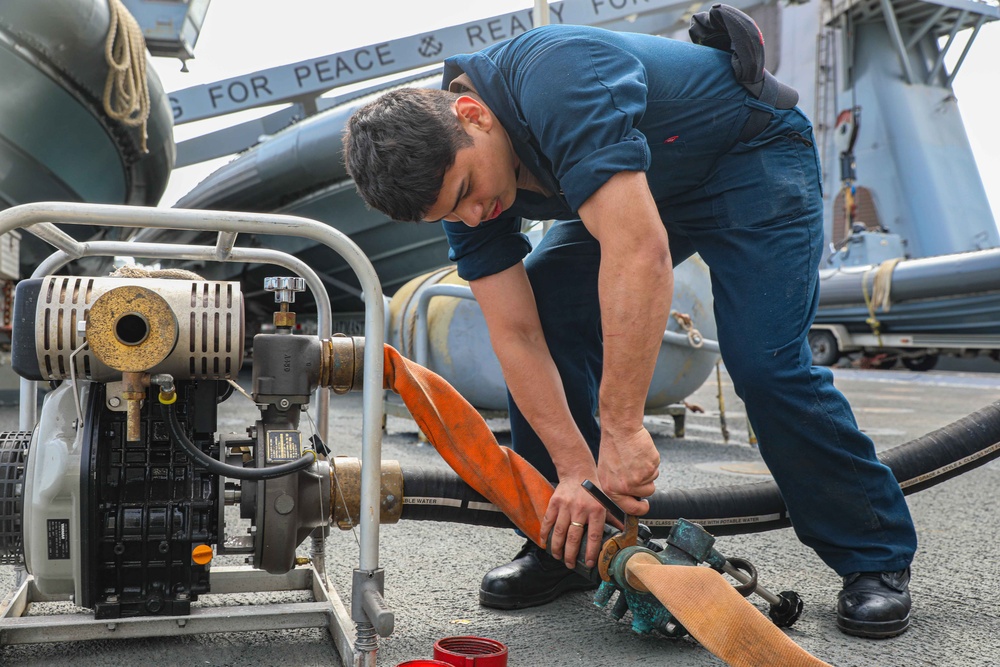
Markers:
962,446
436,494
178,436
974,440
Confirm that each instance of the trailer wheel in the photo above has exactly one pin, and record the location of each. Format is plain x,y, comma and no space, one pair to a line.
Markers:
924,362
824,347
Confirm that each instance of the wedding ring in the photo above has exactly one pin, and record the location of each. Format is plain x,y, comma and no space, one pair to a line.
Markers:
576,523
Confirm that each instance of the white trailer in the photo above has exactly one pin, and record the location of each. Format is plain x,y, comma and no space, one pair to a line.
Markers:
917,352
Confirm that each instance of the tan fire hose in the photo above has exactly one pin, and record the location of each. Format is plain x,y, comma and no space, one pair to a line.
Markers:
708,607
715,614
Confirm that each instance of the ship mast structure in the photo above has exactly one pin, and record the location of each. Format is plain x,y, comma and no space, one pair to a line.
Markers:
908,166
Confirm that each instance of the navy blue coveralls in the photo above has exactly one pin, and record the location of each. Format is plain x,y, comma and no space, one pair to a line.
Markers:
581,104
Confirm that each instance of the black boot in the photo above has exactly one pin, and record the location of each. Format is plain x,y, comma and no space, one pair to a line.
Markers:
874,604
533,578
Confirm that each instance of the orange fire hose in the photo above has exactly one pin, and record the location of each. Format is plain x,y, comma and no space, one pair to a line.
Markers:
700,598
465,442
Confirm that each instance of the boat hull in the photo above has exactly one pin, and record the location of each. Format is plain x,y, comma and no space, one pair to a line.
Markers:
957,295
56,141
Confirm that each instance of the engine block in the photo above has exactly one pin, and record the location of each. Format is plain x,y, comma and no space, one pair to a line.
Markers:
150,508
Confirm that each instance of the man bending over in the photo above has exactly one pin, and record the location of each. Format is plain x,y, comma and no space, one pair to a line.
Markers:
645,150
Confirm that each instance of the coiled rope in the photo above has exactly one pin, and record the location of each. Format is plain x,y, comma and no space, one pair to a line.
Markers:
126,93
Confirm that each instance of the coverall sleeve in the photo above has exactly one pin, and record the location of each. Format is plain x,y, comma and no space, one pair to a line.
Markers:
582,100
490,248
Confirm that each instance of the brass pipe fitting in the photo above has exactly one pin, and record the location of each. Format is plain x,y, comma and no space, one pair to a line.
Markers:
284,318
134,391
345,492
342,363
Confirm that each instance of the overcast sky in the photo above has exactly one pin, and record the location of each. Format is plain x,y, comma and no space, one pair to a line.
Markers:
243,36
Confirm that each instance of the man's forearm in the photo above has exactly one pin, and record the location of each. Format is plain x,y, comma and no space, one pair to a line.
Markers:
635,303
511,314
636,284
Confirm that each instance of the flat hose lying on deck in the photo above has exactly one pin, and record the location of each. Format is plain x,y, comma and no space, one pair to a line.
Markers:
957,448
710,609
715,614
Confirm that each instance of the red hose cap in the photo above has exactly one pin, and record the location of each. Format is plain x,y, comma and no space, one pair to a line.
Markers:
470,652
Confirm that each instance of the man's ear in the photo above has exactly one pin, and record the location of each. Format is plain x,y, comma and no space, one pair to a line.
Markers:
473,112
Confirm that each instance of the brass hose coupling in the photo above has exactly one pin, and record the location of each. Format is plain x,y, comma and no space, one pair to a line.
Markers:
345,492
342,363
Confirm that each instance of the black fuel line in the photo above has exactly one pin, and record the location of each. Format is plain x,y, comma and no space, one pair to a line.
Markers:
179,437
970,442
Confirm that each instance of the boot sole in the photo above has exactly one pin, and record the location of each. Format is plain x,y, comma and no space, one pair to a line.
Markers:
873,629
494,601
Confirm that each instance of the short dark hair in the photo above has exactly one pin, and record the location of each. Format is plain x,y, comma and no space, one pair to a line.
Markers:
398,147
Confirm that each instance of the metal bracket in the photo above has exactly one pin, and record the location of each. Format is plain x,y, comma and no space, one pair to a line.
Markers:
367,603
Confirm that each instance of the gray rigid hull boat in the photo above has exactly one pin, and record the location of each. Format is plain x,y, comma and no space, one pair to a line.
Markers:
300,171
56,141
958,294
916,309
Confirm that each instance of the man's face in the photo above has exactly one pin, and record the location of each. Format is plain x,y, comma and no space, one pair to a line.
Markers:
482,183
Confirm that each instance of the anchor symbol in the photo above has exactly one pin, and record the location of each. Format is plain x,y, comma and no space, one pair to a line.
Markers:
430,47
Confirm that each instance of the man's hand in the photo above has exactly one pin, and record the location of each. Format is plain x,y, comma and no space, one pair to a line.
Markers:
627,466
572,515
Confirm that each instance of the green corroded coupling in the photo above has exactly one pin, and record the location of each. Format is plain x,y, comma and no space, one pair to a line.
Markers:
690,544
617,568
648,613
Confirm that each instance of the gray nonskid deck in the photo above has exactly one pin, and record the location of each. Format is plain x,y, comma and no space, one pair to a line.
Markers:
433,569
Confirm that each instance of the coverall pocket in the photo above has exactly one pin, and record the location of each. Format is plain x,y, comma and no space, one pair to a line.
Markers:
763,182
669,157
